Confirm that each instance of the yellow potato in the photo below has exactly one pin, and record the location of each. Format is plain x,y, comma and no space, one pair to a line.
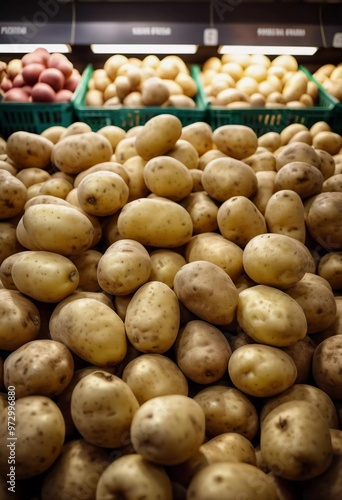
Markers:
297,152
323,220
284,214
239,220
265,189
90,329
271,316
152,375
124,267
329,268
185,152
113,133
237,141
110,166
125,149
134,167
207,291
32,175
87,263
13,195
203,211
326,366
9,243
242,416
300,177
168,177
301,352
330,142
199,134
45,276
261,370
53,133
270,141
295,86
226,177
28,149
56,186
153,318
77,152
164,265
158,136
58,228
289,259
156,222
261,160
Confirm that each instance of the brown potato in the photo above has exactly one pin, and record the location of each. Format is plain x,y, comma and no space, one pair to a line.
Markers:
326,366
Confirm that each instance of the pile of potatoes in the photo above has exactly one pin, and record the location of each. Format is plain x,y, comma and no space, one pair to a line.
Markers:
134,83
330,77
39,76
170,313
251,80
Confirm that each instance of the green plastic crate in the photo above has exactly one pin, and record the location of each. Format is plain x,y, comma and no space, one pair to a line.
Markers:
126,118
35,117
263,120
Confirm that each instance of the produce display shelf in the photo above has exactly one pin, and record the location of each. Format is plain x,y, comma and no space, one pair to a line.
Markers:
35,117
263,120
126,118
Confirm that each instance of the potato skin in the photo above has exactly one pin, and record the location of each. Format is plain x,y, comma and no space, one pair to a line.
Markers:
35,415
168,177
138,476
295,441
41,367
260,370
207,291
158,136
326,366
236,141
284,214
160,425
153,318
13,195
202,352
323,220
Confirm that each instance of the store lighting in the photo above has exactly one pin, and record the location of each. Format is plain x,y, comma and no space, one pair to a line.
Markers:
143,49
267,50
24,48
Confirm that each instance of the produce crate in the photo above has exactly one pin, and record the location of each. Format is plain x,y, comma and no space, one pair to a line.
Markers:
35,117
126,118
263,120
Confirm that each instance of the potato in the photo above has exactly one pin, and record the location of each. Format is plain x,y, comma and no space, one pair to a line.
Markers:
41,367
87,263
202,352
327,484
196,175
284,214
236,141
323,220
125,149
27,149
184,152
164,265
91,329
159,134
270,141
213,247
154,91
297,152
134,167
304,392
206,157
199,134
135,475
295,86
56,186
34,416
124,267
301,352
207,291
94,97
330,142
32,175
144,220
290,260
333,183
153,318
53,133
329,268
76,472
229,481
20,321
9,243
295,441
317,302
102,407
300,177
233,226
261,370
226,177
153,375
261,160
113,133
203,211
45,276
13,195
168,429
180,101
265,189
326,366
77,152
110,166
58,228
271,316
168,177
241,418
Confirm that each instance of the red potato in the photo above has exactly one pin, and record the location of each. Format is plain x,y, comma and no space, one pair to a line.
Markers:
6,84
61,62
39,56
42,92
27,89
31,73
16,94
53,77
72,82
18,80
63,95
